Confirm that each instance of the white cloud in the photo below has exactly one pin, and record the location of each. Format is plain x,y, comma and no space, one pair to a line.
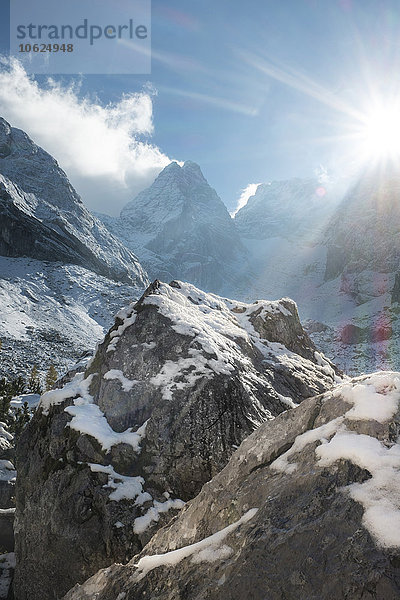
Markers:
248,191
103,149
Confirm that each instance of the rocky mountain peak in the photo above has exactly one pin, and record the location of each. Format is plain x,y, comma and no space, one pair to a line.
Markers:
38,202
175,188
5,138
193,169
180,228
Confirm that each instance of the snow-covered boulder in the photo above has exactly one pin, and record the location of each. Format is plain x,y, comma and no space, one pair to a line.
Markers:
308,507
178,383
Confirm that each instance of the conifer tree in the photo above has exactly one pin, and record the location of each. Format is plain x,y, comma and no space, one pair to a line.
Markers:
34,382
51,378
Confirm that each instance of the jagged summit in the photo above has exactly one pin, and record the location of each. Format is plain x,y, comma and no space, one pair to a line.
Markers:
176,188
180,228
33,169
189,169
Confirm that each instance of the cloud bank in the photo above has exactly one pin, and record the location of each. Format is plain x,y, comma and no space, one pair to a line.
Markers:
103,149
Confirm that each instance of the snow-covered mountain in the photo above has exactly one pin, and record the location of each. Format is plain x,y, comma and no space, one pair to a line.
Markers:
334,249
180,228
293,208
43,217
332,246
53,313
62,274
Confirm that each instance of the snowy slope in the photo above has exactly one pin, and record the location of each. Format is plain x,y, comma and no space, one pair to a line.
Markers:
180,228
289,209
53,313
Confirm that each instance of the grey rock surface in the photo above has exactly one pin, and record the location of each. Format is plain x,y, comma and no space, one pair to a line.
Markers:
193,375
6,531
309,538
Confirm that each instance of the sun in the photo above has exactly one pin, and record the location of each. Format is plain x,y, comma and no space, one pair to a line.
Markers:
380,132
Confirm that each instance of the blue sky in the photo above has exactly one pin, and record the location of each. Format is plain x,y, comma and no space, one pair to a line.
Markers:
249,90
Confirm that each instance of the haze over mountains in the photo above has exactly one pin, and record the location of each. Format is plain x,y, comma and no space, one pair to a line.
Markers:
322,243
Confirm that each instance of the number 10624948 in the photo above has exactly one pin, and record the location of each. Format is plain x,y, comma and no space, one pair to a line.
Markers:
46,48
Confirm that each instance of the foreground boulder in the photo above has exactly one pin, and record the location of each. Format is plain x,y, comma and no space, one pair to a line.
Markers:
307,508
178,383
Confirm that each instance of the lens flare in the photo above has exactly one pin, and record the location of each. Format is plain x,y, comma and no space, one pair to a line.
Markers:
381,132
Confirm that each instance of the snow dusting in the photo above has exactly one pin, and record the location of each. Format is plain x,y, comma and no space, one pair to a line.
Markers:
219,329
79,386
87,416
128,317
211,547
126,383
153,514
125,488
89,419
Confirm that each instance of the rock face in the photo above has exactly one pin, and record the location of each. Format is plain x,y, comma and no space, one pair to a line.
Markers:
363,234
179,381
7,491
43,217
307,507
293,208
7,470
180,229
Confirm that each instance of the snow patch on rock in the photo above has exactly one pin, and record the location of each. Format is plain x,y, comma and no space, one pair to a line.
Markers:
208,545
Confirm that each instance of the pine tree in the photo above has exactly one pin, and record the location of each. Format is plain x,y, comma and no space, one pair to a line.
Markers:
34,382
18,386
51,378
